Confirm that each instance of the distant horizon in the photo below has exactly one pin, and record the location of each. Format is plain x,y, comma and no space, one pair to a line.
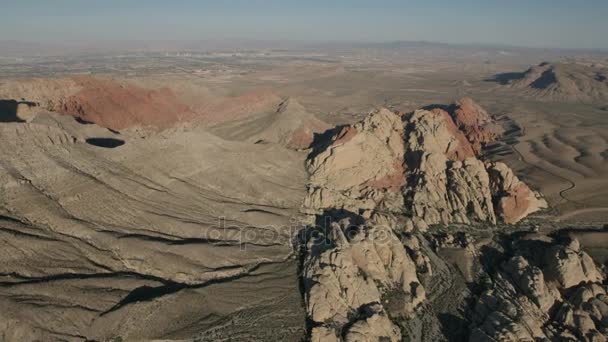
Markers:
231,43
547,24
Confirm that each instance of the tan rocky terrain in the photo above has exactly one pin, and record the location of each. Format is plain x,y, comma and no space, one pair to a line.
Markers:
419,163
384,196
115,238
545,290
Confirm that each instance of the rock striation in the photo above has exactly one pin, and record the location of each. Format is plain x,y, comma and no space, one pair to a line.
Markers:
121,104
102,243
102,101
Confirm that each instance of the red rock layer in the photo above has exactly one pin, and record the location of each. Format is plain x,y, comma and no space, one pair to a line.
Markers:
393,181
464,149
116,106
474,122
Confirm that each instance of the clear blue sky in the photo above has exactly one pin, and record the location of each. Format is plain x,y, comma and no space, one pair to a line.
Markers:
543,23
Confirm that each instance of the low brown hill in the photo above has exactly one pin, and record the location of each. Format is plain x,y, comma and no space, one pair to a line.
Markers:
292,126
568,82
106,102
119,105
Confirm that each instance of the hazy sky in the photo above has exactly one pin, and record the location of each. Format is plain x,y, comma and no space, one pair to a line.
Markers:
542,23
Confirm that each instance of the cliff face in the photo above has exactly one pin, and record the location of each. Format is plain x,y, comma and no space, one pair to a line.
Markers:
423,163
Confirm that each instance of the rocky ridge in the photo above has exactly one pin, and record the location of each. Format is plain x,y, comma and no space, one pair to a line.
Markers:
423,164
374,187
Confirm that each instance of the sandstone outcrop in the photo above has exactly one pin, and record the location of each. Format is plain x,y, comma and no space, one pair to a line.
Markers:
361,279
422,163
361,168
514,199
550,293
119,104
358,277
475,122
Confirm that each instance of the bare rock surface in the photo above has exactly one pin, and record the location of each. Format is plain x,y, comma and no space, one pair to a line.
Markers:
515,200
372,276
293,126
102,101
361,167
546,291
356,278
423,163
475,122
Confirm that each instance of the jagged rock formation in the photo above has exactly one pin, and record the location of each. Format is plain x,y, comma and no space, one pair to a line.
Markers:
363,280
361,168
359,277
422,163
566,81
547,291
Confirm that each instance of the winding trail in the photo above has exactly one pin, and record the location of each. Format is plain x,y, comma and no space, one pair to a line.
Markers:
562,193
573,213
